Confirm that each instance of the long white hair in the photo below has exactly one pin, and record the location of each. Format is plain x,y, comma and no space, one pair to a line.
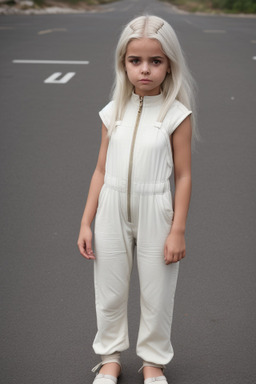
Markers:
179,84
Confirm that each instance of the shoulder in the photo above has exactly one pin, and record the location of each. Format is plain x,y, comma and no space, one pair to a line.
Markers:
176,114
177,108
108,108
106,113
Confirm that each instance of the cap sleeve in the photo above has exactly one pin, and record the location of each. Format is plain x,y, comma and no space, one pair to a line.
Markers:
175,116
106,114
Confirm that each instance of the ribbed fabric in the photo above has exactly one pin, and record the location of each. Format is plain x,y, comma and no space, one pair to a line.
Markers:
151,219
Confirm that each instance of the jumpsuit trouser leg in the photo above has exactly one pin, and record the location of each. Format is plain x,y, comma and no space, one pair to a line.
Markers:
112,269
114,243
157,280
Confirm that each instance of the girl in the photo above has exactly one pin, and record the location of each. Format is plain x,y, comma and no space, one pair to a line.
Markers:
147,129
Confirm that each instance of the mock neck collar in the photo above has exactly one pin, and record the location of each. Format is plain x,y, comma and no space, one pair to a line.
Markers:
147,100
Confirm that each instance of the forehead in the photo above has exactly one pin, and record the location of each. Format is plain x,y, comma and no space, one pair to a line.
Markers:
144,47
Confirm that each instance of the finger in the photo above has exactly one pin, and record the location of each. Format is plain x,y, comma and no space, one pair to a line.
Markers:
173,258
90,253
91,257
88,246
88,257
87,249
181,255
169,259
165,252
84,254
166,260
82,251
81,248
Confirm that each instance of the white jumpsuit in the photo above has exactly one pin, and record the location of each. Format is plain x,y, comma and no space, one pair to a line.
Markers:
135,208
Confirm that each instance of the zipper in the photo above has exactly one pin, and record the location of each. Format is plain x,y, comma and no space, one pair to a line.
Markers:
131,159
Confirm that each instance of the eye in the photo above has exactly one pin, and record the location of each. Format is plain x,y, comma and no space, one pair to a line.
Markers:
156,61
134,61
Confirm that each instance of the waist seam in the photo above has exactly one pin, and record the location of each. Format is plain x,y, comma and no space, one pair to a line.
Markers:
141,188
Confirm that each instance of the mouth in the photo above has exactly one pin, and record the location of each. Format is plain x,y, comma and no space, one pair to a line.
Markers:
145,81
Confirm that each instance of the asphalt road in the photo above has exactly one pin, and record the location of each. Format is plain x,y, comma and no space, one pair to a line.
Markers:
50,136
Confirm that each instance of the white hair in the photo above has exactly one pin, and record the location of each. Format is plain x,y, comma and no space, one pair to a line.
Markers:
179,84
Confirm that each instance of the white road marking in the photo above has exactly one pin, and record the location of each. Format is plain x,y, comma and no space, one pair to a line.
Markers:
44,32
51,30
62,80
214,31
50,62
254,58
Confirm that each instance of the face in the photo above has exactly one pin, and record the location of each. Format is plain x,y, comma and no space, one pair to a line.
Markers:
146,66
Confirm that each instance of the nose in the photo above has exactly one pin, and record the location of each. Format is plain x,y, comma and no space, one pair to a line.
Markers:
145,68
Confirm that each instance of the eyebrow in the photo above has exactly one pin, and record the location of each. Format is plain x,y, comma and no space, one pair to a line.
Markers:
138,57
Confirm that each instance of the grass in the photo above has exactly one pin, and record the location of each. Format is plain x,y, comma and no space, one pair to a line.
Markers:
71,3
228,6
75,2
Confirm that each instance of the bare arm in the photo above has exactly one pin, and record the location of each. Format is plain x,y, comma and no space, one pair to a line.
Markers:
85,235
175,248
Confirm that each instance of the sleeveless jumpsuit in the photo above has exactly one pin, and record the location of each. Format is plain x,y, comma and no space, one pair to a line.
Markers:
135,208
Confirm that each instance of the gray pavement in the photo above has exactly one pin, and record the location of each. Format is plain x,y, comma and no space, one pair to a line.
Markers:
50,136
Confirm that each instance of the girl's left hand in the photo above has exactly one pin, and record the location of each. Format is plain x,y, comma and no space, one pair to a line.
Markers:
174,248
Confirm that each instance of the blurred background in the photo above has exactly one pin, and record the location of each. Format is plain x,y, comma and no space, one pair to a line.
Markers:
212,6
56,74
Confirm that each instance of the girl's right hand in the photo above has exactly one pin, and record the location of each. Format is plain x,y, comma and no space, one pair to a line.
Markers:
84,242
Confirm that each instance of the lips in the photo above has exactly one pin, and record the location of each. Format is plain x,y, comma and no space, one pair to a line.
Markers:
145,81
